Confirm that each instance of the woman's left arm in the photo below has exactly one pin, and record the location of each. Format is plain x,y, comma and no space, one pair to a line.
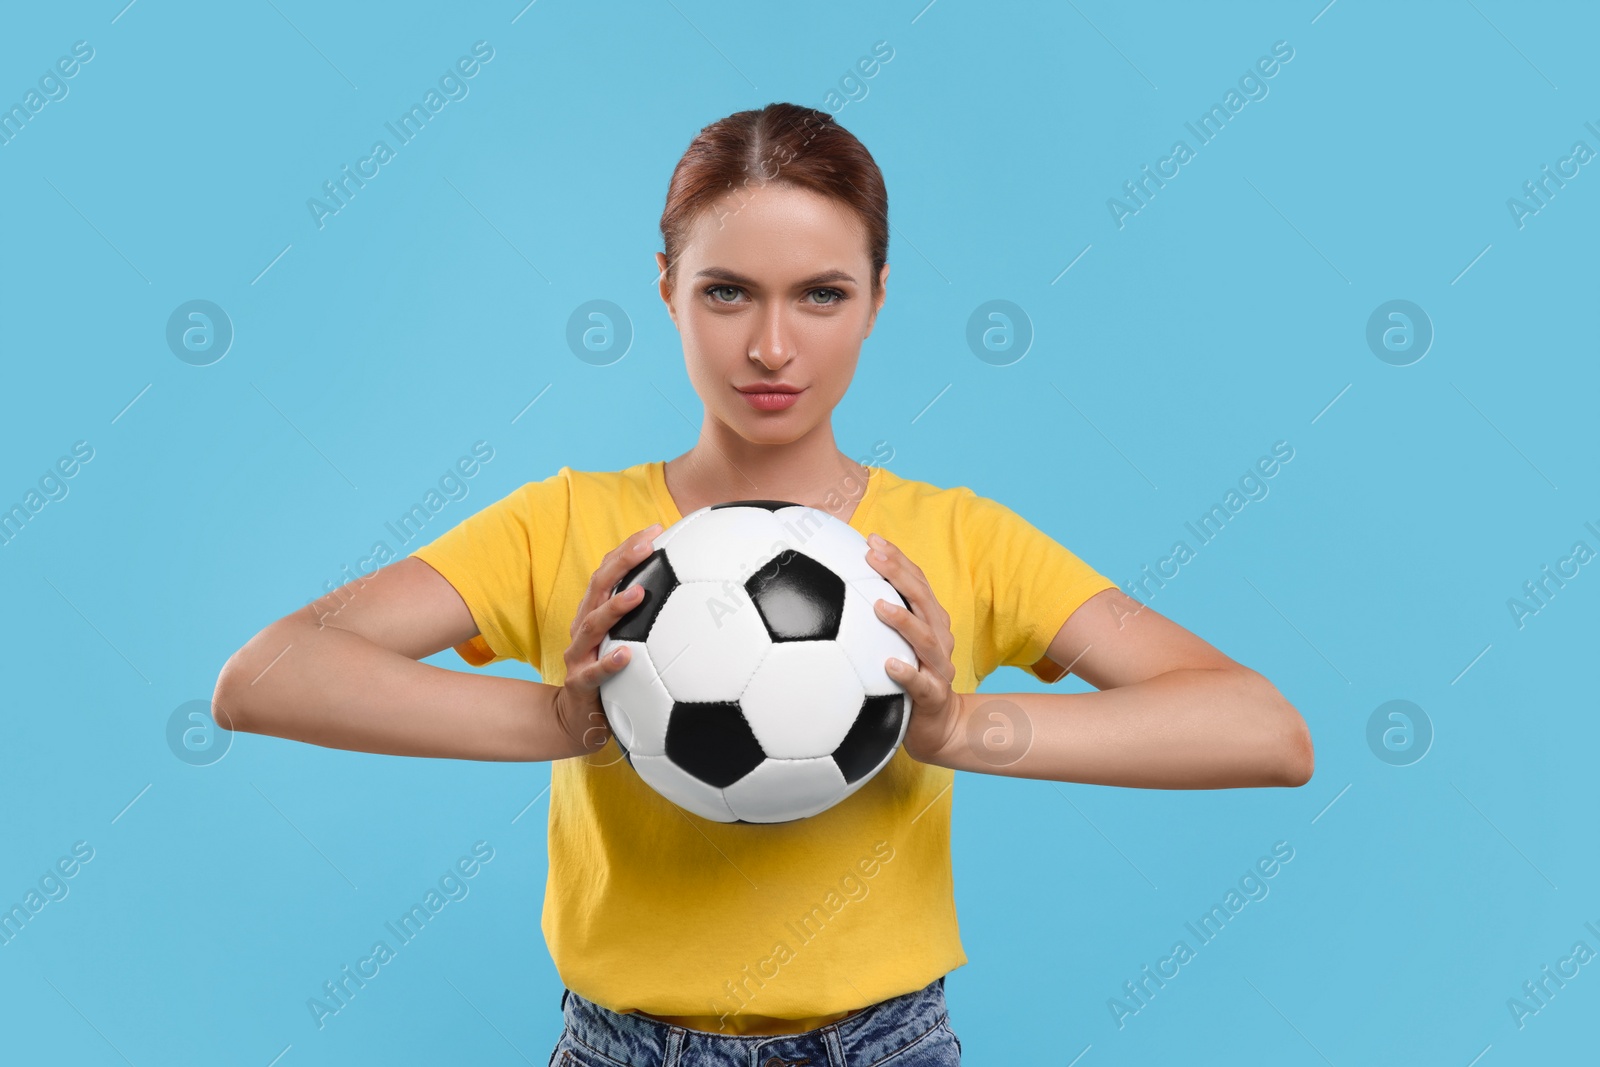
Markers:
1169,710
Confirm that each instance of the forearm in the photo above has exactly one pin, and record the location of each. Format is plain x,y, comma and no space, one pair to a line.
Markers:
1185,729
334,688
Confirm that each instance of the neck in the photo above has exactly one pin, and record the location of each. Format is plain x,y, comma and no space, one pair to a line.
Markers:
724,466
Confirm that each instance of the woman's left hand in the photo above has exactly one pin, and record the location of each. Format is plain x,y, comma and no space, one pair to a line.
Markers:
935,707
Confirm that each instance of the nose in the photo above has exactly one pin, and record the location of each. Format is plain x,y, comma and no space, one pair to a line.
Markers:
773,342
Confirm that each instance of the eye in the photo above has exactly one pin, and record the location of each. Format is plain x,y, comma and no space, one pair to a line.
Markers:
836,295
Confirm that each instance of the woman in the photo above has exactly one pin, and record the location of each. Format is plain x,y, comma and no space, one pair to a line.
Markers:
819,941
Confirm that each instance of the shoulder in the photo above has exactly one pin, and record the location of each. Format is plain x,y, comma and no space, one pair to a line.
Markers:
980,523
630,488
913,495
568,482
896,486
589,499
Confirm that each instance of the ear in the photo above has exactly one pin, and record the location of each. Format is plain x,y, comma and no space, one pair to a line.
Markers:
663,287
883,291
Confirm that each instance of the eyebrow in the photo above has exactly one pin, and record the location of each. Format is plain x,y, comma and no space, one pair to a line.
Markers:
739,279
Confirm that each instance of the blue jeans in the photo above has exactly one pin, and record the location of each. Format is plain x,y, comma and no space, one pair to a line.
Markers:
911,1030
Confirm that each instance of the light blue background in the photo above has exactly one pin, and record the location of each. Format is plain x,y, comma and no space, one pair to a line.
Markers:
1228,314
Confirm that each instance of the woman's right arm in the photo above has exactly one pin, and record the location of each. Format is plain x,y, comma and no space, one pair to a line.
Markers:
351,679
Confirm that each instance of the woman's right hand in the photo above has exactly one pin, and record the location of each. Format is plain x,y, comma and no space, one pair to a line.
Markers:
578,704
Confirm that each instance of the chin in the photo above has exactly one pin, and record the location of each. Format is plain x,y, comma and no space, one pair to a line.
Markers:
769,436
762,430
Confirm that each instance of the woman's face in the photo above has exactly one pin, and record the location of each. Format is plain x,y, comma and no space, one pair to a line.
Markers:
783,274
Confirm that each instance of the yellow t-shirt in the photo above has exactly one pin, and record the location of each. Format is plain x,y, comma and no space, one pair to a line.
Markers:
734,927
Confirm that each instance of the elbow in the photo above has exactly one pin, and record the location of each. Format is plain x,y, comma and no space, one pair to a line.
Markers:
227,702
236,700
1299,758
1294,755
1290,754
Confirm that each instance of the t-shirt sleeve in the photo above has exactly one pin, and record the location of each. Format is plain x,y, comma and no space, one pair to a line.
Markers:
501,562
1025,586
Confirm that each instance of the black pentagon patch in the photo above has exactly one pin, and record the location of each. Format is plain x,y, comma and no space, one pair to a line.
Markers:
655,574
712,741
871,737
770,505
798,598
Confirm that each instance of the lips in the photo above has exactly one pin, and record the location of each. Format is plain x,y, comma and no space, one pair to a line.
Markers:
778,397
765,388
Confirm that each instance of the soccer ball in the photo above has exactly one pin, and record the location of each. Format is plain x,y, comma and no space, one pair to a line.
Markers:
755,690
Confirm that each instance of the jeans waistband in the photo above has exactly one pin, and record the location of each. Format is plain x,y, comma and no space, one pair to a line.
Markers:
865,1037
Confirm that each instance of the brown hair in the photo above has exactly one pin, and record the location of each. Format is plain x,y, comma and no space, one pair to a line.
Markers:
784,143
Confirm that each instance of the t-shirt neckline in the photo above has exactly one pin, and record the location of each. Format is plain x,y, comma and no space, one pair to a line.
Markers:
669,507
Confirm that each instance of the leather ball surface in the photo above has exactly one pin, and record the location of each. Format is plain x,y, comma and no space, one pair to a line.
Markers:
756,689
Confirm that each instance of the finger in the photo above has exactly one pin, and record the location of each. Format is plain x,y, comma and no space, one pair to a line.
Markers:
597,597
924,682
918,634
590,624
599,621
887,566
921,687
890,550
895,564
912,585
589,673
628,555
914,590
613,567
607,666
932,655
636,539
